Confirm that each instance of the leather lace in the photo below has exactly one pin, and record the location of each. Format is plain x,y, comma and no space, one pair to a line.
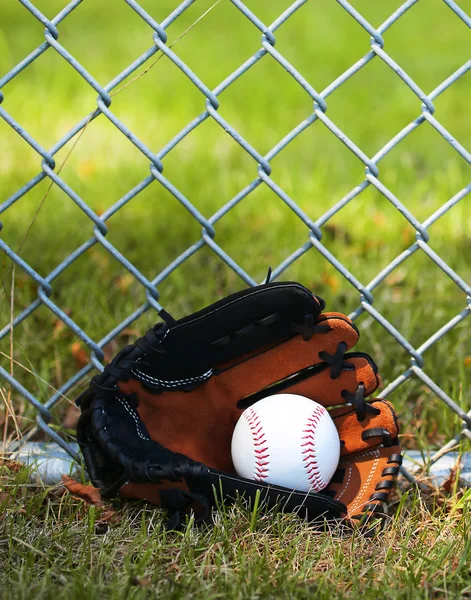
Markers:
309,327
337,365
357,400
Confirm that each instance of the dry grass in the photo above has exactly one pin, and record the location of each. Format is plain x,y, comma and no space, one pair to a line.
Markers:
52,545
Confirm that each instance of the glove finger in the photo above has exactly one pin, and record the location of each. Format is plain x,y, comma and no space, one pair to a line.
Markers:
257,369
253,373
369,463
332,392
375,430
229,328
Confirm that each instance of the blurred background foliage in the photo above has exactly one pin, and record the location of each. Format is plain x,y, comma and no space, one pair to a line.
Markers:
321,40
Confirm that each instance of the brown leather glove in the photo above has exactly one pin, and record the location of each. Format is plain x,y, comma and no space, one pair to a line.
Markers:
157,424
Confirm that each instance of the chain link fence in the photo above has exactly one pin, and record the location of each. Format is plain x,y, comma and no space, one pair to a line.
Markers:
210,103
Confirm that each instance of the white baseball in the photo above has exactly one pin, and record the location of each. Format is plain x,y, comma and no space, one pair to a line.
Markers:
287,440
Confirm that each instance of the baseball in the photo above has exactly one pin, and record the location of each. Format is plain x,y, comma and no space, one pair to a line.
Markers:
287,440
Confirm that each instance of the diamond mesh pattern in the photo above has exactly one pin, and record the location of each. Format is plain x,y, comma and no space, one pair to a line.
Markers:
262,177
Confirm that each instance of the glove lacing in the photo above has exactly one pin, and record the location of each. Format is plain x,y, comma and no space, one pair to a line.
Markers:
337,365
362,408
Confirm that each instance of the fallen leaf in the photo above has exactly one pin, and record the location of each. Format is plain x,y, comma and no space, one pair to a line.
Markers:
338,232
136,581
330,281
124,282
128,332
71,417
450,482
92,495
59,325
5,497
79,354
397,294
12,465
407,235
397,277
110,351
372,244
100,257
173,567
86,168
109,515
87,493
379,219
22,281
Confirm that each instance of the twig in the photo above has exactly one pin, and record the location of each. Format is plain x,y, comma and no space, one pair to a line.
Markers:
162,55
92,116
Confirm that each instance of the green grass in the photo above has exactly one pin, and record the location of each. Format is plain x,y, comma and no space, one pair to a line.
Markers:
316,170
52,546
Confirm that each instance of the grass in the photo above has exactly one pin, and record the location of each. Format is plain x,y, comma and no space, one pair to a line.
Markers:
316,170
53,546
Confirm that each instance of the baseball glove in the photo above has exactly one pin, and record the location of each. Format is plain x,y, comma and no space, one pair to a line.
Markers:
157,423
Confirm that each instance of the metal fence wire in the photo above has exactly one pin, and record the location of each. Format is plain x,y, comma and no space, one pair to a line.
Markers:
262,171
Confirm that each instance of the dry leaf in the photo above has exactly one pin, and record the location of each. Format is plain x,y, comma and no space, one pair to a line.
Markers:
124,282
5,497
330,281
397,277
59,325
109,515
86,168
379,219
372,244
12,465
99,257
136,581
91,495
450,482
87,493
71,417
407,235
80,355
110,351
338,232
128,332
173,567
397,294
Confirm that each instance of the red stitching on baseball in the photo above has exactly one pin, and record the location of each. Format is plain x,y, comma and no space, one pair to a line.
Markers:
309,455
260,444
